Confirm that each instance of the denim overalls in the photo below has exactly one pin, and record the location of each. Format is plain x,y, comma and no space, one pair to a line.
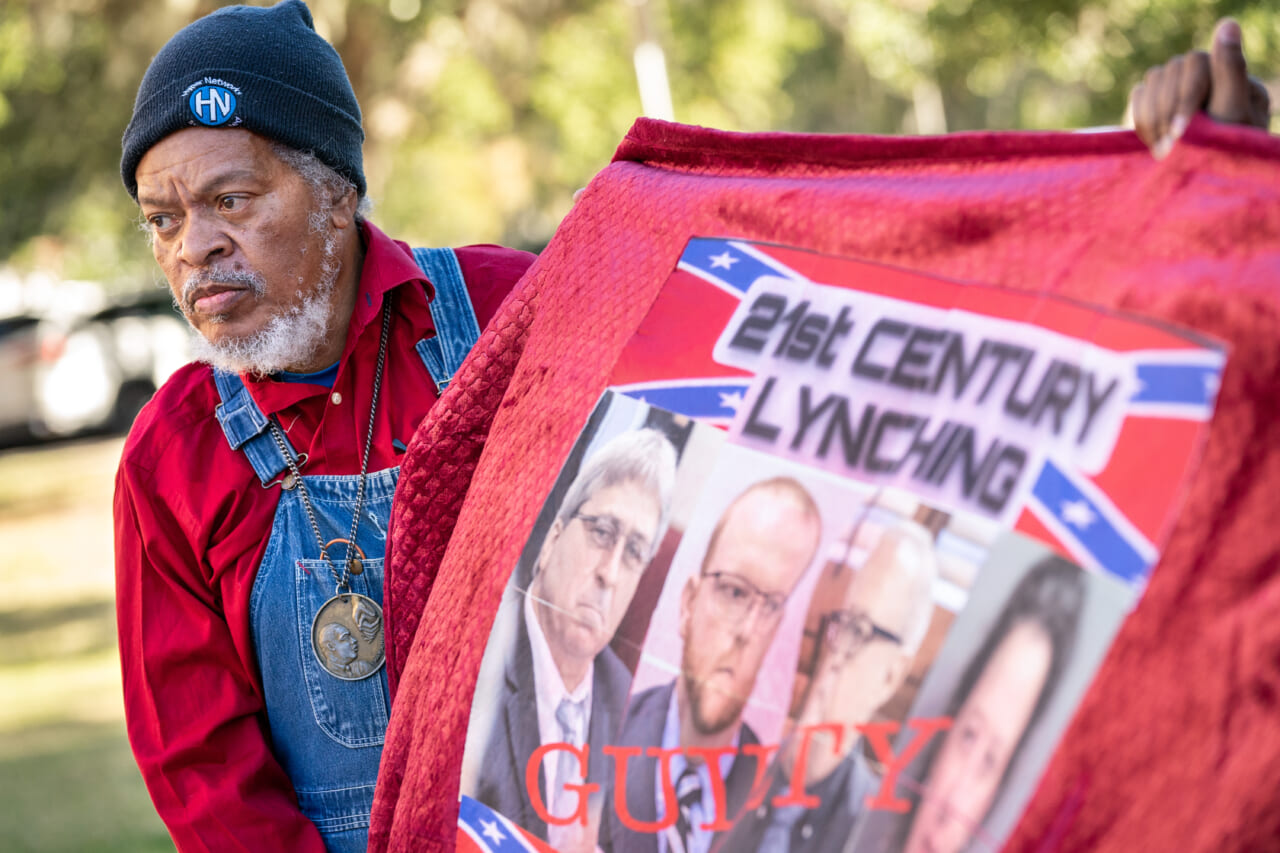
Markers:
326,732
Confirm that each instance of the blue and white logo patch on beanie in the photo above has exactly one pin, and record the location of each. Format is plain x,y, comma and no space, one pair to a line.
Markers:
212,105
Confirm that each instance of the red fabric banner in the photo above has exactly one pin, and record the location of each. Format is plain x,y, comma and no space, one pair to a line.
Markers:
1175,745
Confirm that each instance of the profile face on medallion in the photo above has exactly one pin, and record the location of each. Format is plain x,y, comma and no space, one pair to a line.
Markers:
346,636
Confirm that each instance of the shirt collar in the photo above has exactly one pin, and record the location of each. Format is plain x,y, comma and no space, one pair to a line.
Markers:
387,265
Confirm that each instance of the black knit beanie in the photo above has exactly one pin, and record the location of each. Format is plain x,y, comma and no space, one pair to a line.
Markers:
264,70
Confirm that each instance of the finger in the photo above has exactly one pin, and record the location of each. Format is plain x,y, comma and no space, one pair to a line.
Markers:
1193,91
1141,106
1259,104
1231,96
1166,96
1138,110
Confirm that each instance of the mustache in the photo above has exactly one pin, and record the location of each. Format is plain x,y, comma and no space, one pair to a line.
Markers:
251,279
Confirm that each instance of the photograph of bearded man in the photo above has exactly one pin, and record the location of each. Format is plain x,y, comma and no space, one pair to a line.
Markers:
729,613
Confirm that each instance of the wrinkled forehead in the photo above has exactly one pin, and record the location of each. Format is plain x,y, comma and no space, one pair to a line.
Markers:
203,159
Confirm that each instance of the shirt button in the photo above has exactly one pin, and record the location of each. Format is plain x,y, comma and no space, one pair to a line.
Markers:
762,812
806,831
336,398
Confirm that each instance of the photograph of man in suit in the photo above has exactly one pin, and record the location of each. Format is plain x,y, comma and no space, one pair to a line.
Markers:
867,644
729,613
562,682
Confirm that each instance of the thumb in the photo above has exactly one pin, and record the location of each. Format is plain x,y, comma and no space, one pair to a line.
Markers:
1230,90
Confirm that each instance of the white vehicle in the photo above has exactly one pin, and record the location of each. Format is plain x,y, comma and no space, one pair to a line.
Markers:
60,378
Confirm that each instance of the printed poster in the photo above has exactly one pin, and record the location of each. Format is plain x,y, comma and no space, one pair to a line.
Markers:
831,564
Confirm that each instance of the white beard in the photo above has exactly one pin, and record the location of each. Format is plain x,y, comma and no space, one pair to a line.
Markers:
290,338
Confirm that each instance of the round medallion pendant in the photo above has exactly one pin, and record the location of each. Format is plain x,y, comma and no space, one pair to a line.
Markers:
346,636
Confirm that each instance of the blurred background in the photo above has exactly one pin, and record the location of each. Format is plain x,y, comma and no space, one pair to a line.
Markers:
482,118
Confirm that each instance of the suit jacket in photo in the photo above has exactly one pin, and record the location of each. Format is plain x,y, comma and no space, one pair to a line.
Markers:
515,736
827,827
646,718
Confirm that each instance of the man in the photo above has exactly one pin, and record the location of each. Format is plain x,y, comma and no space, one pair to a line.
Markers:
253,496
562,683
729,613
341,652
864,656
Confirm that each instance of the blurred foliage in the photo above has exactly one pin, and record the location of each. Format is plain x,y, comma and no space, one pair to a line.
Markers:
483,117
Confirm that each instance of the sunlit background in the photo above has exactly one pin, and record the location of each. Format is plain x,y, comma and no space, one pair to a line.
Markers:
482,118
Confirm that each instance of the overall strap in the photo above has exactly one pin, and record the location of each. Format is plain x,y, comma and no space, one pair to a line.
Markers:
246,427
457,329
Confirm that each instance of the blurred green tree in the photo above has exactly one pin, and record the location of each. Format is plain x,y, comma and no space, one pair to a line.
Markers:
483,116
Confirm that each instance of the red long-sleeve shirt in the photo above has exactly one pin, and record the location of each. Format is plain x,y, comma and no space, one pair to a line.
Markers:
191,525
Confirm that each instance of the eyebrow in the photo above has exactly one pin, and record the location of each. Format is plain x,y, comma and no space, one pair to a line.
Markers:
236,176
214,185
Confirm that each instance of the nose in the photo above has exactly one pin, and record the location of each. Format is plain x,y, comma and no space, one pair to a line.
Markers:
756,618
749,625
609,566
203,239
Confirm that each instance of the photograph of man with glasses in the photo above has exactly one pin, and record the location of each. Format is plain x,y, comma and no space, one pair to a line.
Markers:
729,612
559,681
866,646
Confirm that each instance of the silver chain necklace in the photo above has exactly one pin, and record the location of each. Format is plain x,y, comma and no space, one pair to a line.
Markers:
346,633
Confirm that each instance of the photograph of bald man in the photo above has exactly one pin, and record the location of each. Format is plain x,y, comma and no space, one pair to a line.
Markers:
561,681
865,651
729,613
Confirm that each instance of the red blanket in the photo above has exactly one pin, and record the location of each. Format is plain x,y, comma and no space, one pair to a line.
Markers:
1177,745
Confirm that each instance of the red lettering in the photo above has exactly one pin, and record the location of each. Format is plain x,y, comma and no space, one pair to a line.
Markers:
722,823
796,796
760,784
621,755
877,734
534,766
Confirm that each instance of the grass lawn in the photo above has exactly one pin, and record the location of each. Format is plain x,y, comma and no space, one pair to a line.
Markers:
67,778
74,787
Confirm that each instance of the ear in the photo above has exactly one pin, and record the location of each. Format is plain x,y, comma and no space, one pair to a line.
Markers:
686,605
548,544
895,672
343,213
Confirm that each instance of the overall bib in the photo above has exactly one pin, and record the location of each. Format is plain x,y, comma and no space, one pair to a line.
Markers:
327,733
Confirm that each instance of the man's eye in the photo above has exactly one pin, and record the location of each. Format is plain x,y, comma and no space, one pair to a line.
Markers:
602,534
635,553
159,221
230,203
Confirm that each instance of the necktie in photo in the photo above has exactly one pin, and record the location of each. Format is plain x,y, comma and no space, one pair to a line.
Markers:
689,799
570,715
